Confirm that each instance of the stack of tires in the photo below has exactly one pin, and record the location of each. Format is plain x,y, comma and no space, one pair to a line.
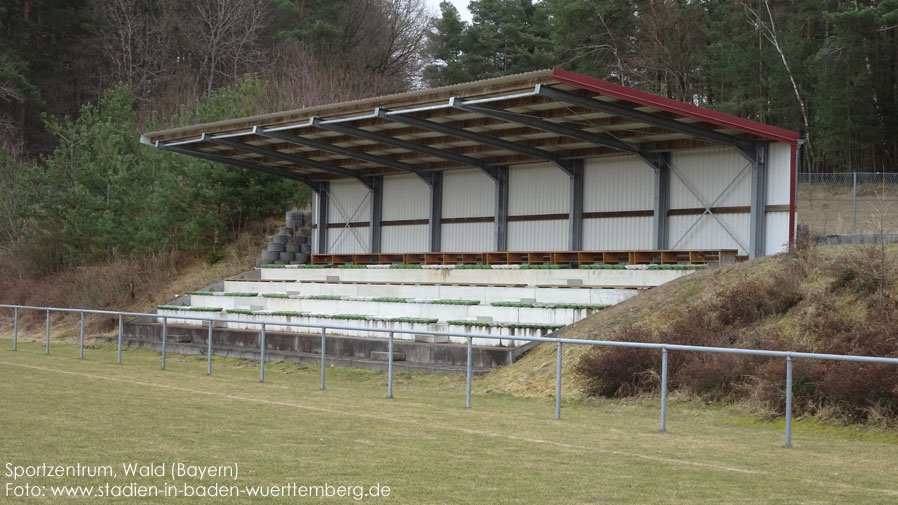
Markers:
293,243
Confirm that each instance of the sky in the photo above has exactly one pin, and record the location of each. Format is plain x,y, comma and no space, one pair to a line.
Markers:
461,5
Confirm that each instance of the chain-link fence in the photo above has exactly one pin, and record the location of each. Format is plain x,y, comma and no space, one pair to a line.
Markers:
848,203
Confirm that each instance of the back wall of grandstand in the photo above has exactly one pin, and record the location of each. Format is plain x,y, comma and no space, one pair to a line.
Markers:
702,201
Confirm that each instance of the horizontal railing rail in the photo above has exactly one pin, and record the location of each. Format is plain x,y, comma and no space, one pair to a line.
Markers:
664,348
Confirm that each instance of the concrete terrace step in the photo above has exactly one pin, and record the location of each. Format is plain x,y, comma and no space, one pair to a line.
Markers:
305,348
443,310
638,275
368,326
593,295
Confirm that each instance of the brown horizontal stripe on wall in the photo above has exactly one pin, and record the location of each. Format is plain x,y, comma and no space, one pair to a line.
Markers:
777,208
619,213
537,217
405,222
463,220
714,210
357,224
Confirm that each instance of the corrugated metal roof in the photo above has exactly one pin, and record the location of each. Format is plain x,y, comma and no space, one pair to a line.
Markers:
547,115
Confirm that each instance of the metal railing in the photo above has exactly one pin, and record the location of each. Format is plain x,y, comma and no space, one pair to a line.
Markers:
664,348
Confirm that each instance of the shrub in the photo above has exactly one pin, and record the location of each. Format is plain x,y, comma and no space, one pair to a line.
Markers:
202,293
240,311
276,295
421,320
388,299
240,294
325,297
513,304
456,302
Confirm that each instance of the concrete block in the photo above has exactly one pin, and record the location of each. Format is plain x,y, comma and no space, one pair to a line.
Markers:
286,257
304,232
385,356
302,257
332,278
292,248
279,239
269,256
279,248
484,318
286,230
574,282
303,240
305,248
432,339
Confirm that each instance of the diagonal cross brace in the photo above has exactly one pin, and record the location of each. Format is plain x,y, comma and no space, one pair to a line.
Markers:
707,207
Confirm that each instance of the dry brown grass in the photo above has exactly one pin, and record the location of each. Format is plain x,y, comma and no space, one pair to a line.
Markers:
134,284
841,300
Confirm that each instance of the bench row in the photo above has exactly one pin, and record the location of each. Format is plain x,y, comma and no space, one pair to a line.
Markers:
637,257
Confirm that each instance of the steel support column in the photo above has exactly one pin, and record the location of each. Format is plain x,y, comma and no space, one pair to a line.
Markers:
575,216
436,212
758,229
661,203
377,207
322,217
501,224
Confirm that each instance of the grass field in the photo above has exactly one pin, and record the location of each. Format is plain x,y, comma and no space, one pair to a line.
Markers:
423,444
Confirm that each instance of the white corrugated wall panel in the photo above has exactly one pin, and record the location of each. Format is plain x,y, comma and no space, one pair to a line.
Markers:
779,174
709,171
607,234
353,240
468,237
549,235
349,201
468,193
405,197
539,188
708,233
777,232
403,239
617,183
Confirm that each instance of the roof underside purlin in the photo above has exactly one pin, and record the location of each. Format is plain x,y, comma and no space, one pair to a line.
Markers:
546,116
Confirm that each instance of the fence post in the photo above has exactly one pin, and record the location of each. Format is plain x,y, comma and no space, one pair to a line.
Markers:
390,367
323,337
81,338
788,401
469,373
262,355
164,336
15,329
209,351
119,339
663,389
47,349
854,204
558,383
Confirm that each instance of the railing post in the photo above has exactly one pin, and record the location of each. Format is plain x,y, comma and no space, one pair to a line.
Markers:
164,338
119,339
854,204
390,367
81,338
663,389
469,374
47,349
788,401
323,336
262,355
209,351
15,329
558,382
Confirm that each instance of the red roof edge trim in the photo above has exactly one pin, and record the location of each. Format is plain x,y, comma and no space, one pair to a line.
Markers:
666,104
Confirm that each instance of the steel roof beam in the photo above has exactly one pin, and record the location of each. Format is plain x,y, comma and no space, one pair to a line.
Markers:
246,165
746,148
425,124
404,144
324,146
327,167
542,124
